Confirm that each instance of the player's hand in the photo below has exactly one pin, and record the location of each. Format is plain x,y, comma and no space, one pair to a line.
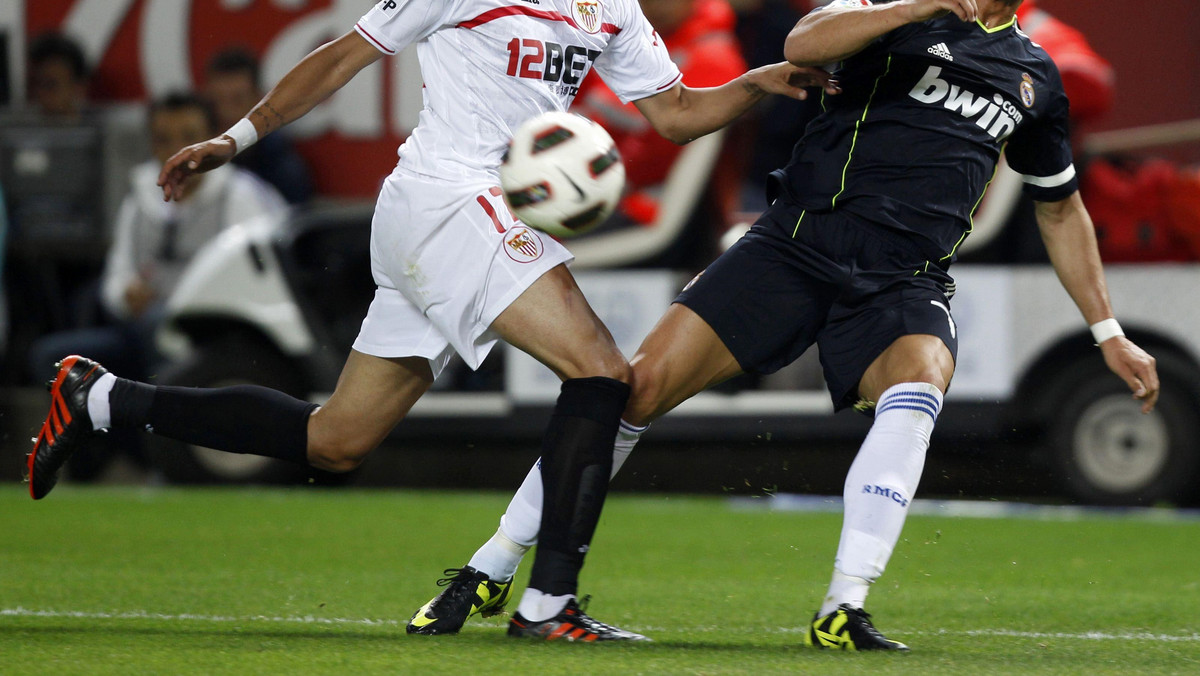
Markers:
139,295
1135,367
923,10
788,80
194,159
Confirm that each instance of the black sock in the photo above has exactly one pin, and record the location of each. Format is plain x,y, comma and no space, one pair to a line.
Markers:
576,464
239,419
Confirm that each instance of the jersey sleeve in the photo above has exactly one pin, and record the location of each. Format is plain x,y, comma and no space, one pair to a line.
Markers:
636,64
887,38
392,25
1041,154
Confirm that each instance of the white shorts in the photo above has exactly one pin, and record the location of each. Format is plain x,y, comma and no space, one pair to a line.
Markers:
447,259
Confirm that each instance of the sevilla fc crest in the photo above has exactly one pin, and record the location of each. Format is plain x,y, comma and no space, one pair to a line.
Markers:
522,244
587,15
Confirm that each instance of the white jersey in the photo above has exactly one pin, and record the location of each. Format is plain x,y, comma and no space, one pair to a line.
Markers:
489,65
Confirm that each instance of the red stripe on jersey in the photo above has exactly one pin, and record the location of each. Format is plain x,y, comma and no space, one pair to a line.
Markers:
675,79
372,39
549,15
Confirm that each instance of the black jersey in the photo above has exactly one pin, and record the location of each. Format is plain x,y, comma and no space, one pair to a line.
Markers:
913,141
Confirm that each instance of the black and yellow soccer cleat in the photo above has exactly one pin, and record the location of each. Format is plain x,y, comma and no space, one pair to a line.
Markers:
848,628
572,624
467,592
67,425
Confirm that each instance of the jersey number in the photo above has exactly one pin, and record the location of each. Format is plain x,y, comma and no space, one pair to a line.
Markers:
491,211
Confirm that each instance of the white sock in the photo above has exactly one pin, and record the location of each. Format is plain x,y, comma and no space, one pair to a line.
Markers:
538,606
500,556
879,487
97,404
627,437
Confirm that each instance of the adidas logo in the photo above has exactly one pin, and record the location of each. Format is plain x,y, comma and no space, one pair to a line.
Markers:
940,49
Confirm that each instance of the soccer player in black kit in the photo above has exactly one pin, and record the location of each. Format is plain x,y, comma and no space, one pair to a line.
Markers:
854,255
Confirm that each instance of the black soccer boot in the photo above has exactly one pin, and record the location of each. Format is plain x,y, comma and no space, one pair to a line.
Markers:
67,425
467,592
572,624
848,628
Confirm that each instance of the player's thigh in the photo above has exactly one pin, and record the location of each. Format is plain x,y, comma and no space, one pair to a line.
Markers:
865,345
681,357
552,322
372,395
916,358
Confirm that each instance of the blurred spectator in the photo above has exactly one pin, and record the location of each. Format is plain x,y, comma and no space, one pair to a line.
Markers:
699,36
153,242
58,75
232,84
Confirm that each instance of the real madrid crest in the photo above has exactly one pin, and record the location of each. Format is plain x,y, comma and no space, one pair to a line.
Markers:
587,15
1027,96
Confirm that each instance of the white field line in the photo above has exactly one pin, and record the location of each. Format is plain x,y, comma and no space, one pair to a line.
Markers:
145,615
309,619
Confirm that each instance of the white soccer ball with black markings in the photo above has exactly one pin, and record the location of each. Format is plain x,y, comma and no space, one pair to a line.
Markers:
562,174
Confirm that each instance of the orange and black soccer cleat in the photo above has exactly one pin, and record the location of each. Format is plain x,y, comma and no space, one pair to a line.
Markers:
572,624
67,425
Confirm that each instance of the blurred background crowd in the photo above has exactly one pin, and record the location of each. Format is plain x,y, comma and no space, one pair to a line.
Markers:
95,95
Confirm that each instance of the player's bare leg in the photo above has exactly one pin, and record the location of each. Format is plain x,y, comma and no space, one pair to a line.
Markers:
552,322
906,383
339,435
680,356
240,419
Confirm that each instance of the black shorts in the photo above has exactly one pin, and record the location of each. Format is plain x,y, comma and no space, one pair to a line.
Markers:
797,278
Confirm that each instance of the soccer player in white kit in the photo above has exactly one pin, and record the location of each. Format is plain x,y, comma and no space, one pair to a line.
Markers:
455,271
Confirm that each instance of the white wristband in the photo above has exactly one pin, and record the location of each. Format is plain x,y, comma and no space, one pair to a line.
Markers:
243,134
1103,330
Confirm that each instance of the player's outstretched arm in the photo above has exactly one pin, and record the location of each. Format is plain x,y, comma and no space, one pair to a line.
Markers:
844,28
1070,240
318,75
682,114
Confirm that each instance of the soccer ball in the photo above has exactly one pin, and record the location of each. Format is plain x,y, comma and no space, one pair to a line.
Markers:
562,174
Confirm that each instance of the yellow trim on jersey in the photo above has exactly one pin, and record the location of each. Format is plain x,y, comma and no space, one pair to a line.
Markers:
854,141
997,28
979,201
802,213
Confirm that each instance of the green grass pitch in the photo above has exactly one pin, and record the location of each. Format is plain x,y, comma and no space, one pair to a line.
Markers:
123,581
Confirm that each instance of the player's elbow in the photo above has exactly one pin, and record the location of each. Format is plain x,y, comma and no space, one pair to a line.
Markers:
673,114
675,132
801,49
794,50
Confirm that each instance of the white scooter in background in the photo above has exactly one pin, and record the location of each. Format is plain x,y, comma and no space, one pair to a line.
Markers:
274,302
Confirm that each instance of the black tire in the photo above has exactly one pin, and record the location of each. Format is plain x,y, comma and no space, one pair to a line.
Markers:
1108,453
221,364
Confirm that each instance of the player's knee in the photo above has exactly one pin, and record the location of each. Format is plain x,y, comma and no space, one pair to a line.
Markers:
647,392
340,455
606,366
